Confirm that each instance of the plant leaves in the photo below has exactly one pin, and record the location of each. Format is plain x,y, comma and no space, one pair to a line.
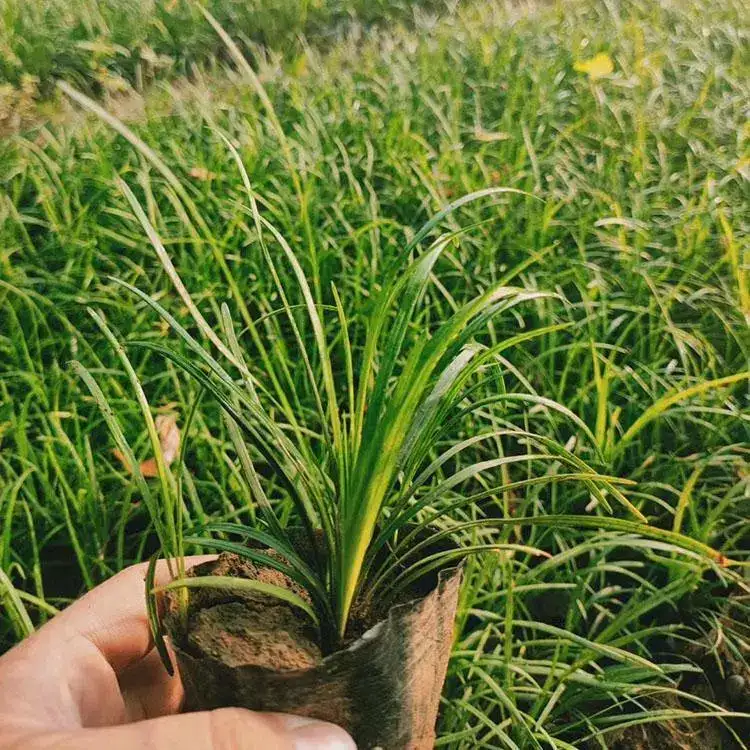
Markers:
231,583
154,621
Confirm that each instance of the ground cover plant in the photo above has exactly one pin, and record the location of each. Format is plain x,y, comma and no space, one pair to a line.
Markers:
624,125
107,47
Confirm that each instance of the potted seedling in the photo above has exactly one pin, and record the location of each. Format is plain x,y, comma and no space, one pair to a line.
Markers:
338,600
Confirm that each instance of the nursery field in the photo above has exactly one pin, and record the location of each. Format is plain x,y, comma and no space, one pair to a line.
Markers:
603,445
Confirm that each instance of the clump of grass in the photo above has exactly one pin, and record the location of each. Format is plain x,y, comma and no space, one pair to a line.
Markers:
640,235
107,47
360,467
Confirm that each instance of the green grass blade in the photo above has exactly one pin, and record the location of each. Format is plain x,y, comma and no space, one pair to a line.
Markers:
166,480
174,277
16,610
154,621
667,402
155,512
230,583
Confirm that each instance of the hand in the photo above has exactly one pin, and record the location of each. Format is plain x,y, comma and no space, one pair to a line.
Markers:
91,679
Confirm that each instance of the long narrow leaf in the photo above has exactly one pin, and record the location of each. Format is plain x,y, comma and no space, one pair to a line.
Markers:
231,583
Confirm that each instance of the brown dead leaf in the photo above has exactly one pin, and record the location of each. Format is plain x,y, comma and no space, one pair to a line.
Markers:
169,439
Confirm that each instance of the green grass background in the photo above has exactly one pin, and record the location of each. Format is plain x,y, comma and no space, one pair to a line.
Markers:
642,230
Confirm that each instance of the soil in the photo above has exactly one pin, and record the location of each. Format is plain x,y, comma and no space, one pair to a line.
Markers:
251,628
254,651
242,628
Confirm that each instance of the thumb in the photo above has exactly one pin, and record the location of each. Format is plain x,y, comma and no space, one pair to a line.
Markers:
223,729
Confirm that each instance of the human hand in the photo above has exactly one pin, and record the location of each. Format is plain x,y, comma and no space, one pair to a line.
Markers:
92,679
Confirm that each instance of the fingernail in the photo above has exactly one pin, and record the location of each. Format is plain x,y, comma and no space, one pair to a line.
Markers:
311,734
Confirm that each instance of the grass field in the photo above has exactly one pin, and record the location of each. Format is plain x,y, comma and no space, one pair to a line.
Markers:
106,46
625,125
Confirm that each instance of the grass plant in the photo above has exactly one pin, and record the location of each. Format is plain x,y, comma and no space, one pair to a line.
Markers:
621,376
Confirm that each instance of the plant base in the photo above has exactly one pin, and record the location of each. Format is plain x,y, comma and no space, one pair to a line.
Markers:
384,689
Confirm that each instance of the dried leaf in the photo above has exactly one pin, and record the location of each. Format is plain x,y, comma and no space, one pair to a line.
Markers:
155,60
596,67
202,174
489,136
169,439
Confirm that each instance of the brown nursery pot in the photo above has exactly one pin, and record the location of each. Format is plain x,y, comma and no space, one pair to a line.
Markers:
255,652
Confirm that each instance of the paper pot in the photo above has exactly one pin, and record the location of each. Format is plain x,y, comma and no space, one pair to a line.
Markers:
384,688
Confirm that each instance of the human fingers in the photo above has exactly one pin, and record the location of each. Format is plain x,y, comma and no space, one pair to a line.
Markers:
113,615
223,729
147,689
81,653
